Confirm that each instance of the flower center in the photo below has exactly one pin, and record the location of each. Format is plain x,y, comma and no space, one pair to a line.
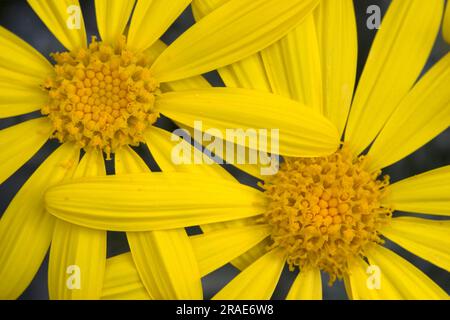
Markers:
325,211
101,97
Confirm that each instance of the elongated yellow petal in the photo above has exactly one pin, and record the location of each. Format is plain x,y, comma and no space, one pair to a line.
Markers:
20,142
77,262
64,19
163,148
151,18
217,248
122,281
307,286
338,43
407,279
78,254
247,258
428,192
293,65
22,70
128,161
165,259
423,114
398,54
239,158
166,264
446,24
91,165
217,40
112,17
258,281
426,238
20,63
247,73
201,8
302,131
144,202
195,82
19,99
25,228
366,282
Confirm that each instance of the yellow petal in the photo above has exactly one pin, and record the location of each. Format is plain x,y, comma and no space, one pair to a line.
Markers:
407,279
258,281
20,63
195,82
64,19
257,251
247,258
76,251
293,65
112,17
428,239
165,259
144,202
217,40
166,264
151,18
302,131
122,281
366,282
20,142
78,254
428,192
19,99
161,145
22,71
307,286
201,8
247,73
214,249
446,24
25,228
338,43
128,161
91,165
423,114
252,169
398,54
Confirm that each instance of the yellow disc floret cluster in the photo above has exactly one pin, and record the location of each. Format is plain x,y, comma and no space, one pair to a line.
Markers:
101,96
325,211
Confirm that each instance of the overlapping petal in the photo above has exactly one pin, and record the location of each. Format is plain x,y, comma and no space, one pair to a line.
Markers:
25,228
217,40
398,55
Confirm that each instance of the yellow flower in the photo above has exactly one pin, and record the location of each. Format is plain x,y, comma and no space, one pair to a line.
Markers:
327,212
106,96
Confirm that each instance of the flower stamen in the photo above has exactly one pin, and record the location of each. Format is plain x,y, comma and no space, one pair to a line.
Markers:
101,96
325,211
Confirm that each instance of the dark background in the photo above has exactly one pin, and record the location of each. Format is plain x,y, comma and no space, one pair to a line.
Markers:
18,17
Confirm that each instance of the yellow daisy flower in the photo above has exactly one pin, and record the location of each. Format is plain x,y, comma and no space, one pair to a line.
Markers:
105,96
322,213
